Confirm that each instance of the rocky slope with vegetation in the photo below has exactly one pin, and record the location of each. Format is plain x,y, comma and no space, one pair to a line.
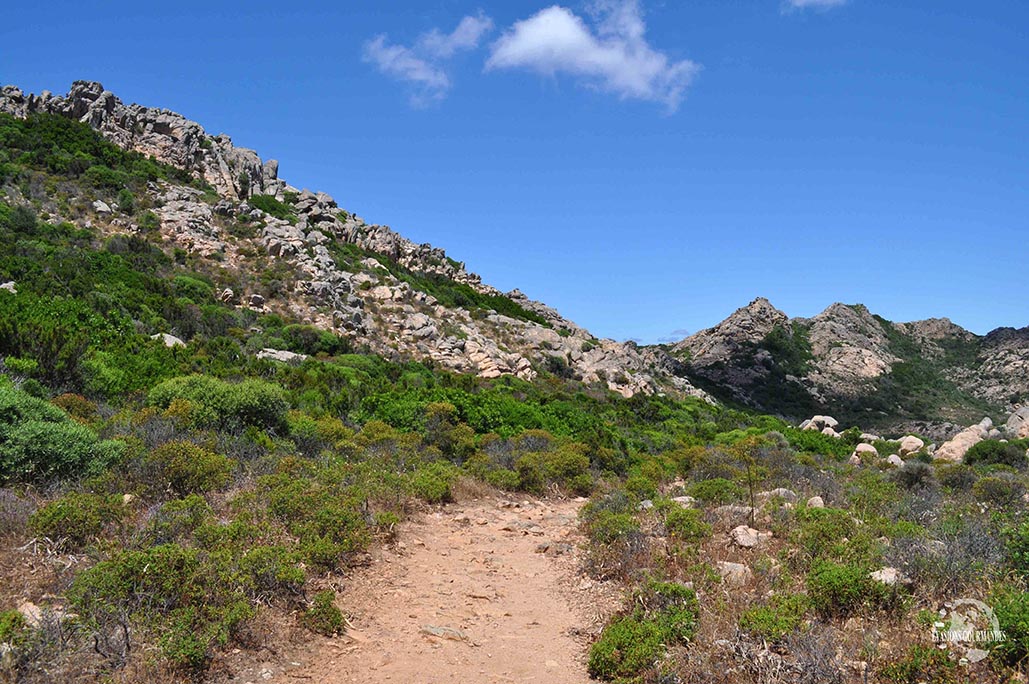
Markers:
296,252
224,402
929,375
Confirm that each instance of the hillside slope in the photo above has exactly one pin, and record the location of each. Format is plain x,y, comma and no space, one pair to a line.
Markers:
866,369
296,252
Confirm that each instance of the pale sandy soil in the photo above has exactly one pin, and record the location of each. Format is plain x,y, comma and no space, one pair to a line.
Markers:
461,599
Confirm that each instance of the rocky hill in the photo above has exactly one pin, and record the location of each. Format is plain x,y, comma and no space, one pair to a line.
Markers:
296,252
860,366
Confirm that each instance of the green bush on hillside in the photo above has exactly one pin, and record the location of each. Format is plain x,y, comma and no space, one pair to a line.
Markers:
39,441
228,405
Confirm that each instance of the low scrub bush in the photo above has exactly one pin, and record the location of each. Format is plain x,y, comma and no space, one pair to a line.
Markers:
992,451
223,404
39,441
664,614
323,617
716,491
777,619
187,468
78,518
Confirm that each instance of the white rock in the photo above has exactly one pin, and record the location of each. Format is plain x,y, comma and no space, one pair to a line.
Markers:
281,355
684,501
734,574
101,207
830,432
895,460
787,495
747,537
910,444
645,505
815,502
889,576
866,449
9,287
168,340
854,459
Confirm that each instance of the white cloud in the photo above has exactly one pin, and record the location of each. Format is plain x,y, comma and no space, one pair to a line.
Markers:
423,65
611,55
813,4
465,37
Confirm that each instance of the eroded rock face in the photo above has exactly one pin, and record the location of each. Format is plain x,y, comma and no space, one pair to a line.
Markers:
165,135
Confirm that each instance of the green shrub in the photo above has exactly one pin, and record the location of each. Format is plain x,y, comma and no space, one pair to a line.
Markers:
992,451
77,517
606,527
999,491
1017,543
191,469
922,664
188,600
251,402
838,590
39,441
664,614
13,627
566,466
628,645
716,491
273,207
323,617
432,482
780,617
1011,607
686,525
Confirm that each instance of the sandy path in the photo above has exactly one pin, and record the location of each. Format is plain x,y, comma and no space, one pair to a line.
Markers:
466,596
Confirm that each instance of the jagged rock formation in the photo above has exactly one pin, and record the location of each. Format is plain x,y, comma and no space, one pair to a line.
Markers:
929,377
333,269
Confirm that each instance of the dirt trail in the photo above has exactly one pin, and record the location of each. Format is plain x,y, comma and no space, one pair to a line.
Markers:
467,595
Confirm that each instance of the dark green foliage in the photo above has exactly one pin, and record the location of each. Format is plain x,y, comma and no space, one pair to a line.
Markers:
1011,607
716,491
628,645
790,347
184,597
66,147
837,590
922,664
13,628
686,525
992,451
447,292
323,617
432,482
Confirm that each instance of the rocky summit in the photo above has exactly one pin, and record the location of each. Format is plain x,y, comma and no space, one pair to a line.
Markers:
332,269
929,375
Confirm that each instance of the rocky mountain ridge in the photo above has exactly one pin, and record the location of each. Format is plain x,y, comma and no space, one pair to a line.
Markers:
333,270
860,365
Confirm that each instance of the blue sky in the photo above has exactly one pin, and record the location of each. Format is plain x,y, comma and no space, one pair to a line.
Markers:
645,167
